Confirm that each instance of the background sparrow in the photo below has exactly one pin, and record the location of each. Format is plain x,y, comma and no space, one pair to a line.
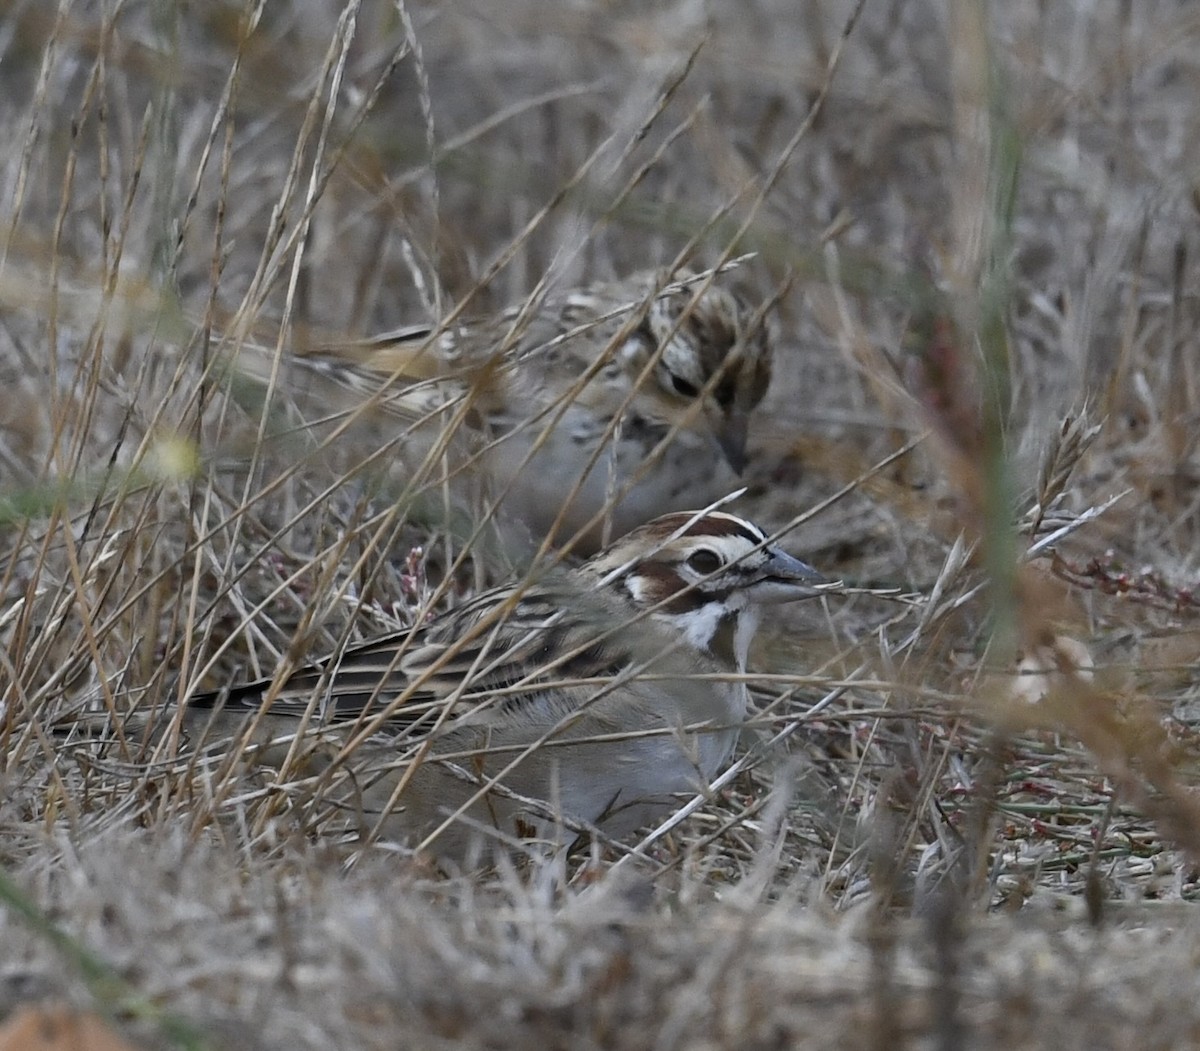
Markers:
588,411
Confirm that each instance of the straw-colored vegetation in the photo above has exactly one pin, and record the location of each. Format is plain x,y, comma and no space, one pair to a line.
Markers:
964,811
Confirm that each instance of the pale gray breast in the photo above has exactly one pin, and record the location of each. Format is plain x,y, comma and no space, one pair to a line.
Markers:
552,750
543,472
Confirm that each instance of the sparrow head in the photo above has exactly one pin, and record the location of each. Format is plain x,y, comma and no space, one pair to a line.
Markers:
697,571
714,350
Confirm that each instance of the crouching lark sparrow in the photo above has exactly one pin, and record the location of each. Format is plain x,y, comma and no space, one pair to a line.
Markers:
591,698
588,412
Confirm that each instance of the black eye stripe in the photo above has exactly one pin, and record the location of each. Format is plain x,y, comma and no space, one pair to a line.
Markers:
683,387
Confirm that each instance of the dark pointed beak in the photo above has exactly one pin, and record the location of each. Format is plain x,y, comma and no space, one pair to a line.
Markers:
731,437
786,579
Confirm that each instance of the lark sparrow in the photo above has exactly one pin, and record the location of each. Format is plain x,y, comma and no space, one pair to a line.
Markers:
593,410
603,692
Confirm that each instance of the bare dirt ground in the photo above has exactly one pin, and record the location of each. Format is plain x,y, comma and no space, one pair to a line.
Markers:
965,812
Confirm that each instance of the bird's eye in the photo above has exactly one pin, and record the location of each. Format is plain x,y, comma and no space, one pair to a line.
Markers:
704,561
688,390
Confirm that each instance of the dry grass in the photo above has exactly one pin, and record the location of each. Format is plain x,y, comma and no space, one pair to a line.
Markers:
965,811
